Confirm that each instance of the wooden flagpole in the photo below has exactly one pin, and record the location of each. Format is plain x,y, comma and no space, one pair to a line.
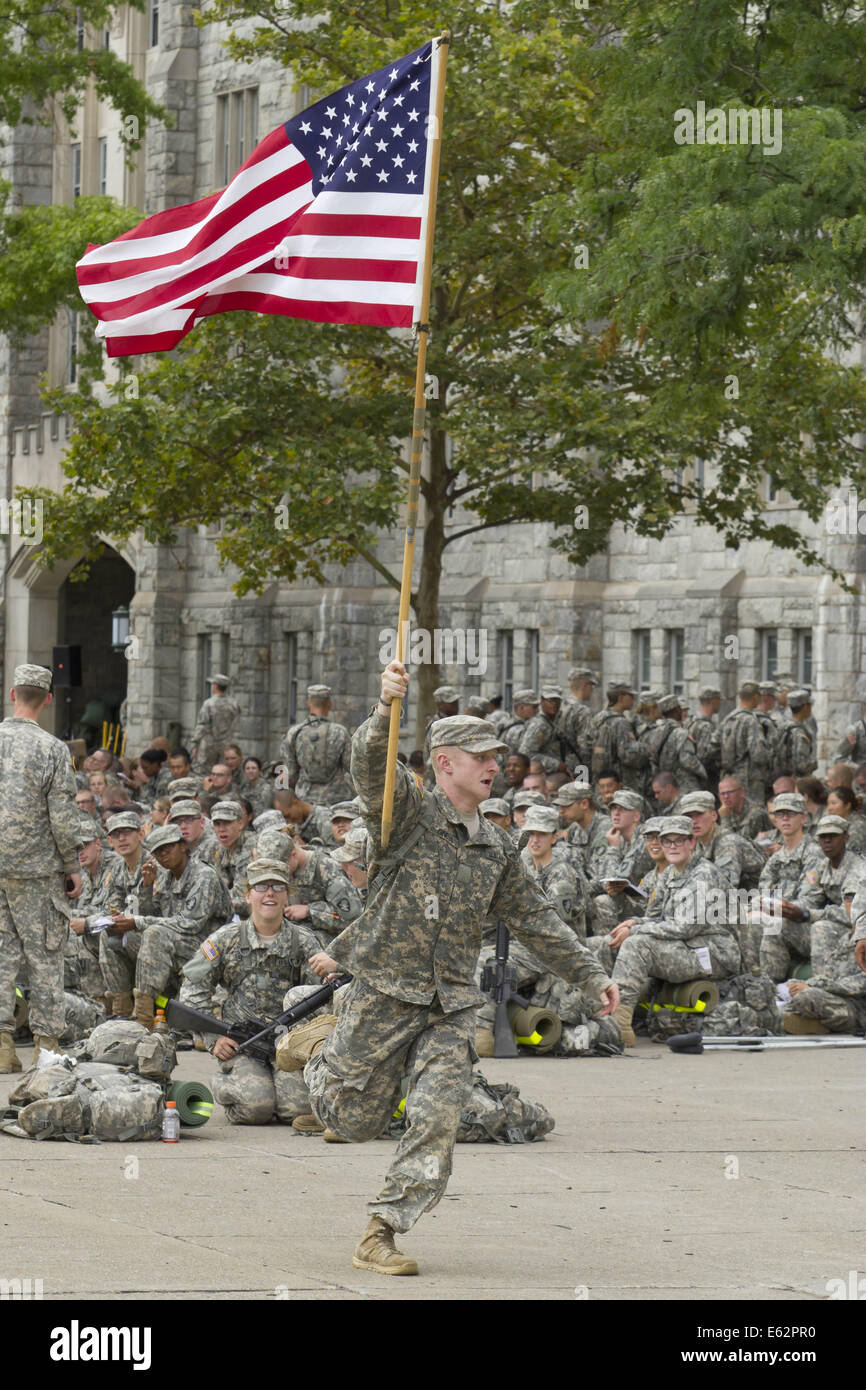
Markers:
418,422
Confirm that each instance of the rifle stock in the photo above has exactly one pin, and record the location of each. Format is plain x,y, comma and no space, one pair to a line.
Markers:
498,979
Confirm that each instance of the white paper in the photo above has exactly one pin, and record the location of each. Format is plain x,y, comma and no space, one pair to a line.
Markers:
703,955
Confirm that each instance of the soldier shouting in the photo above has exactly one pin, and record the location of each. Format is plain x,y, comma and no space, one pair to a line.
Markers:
412,952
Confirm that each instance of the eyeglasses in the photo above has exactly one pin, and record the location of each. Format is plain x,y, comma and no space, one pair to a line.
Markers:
674,841
269,888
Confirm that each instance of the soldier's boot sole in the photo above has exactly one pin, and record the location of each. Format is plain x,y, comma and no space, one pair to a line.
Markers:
122,1005
296,1048
376,1251
9,1059
796,1023
307,1124
623,1016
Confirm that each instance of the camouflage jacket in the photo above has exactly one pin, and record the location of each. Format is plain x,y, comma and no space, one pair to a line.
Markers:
231,864
588,844
154,787
575,726
795,749
614,745
858,911
785,873
39,819
317,757
749,822
852,746
839,972
672,749
705,736
429,894
214,727
332,898
745,749
255,971
629,860
562,882
205,851
193,905
511,733
316,829
97,889
739,859
826,900
688,905
540,739
125,891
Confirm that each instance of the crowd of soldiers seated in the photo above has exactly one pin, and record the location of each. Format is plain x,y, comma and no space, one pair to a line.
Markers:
678,852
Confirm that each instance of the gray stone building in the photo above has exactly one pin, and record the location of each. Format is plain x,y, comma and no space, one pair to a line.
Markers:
675,613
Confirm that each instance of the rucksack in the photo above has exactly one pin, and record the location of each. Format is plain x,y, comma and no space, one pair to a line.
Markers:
729,740
602,742
496,1114
85,1101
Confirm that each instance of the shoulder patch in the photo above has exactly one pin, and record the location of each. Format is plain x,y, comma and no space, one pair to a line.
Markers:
209,949
811,876
852,739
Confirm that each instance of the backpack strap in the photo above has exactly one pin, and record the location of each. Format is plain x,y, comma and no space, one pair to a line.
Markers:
425,819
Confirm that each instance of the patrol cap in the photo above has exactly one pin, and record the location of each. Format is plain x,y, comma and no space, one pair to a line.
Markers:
275,845
33,675
343,810
697,801
620,688
571,792
790,801
629,801
446,694
653,825
186,808
186,787
668,703
675,825
709,692
798,698
542,818
265,820
476,704
494,806
525,697
318,692
162,835
551,692
465,731
582,673
851,885
223,810
353,848
749,688
830,825
267,870
88,830
784,680
124,820
529,798
767,687
218,678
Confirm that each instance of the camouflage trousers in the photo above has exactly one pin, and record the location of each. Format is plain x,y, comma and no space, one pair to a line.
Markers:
784,946
643,958
838,1013
83,1014
255,1093
118,966
161,955
82,972
33,930
355,1086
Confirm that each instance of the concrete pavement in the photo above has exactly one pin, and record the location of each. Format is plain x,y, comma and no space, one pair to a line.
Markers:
722,1176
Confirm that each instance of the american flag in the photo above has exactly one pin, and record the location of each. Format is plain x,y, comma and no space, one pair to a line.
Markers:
326,220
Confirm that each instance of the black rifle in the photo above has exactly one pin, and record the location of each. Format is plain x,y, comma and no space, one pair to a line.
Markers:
498,979
251,1032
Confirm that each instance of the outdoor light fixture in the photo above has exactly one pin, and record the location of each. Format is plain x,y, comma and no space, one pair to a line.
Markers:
119,629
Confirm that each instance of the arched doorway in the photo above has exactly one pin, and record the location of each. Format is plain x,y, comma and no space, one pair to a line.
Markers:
84,608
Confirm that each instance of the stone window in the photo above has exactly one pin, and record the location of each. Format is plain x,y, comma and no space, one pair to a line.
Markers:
236,135
292,675
676,660
532,654
152,23
641,638
103,164
769,652
804,655
213,655
76,171
506,668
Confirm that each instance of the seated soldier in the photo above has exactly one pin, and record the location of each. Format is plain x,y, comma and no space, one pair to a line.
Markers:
791,945
233,852
342,815
196,831
834,999
351,856
177,910
118,946
558,877
256,961
586,828
497,809
320,894
738,814
681,937
608,784
519,807
626,855
313,823
788,887
91,904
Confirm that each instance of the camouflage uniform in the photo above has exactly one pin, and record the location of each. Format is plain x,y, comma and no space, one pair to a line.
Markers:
857,833
665,944
852,746
629,860
214,728
316,829
795,749
511,734
118,962
176,914
231,863
739,860
749,822
255,971
154,787
411,1006
836,993
704,732
39,843
615,746
575,725
787,944
207,847
588,843
259,794
752,758
672,749
332,897
96,900
540,739
317,757
564,885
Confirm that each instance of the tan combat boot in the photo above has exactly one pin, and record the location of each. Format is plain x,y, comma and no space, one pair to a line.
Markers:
331,1137
122,1005
145,1005
796,1023
9,1059
295,1049
623,1016
484,1042
44,1040
307,1124
376,1251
